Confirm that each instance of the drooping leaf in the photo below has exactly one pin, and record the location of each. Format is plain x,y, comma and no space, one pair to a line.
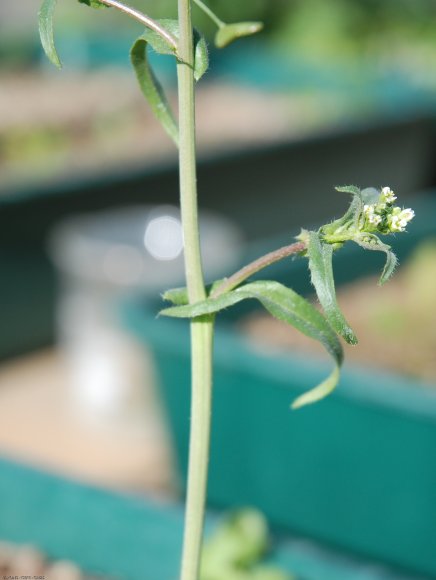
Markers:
152,89
45,21
320,392
320,264
94,3
282,302
148,82
230,32
286,305
372,242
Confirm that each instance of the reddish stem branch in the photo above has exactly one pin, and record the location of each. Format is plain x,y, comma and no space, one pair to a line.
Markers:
241,275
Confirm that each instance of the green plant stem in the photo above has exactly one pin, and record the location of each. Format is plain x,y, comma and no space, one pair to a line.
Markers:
256,266
201,329
143,19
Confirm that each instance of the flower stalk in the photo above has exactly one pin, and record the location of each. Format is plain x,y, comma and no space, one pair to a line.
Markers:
202,328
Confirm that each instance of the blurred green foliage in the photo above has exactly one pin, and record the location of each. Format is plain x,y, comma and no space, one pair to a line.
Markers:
237,547
354,28
333,29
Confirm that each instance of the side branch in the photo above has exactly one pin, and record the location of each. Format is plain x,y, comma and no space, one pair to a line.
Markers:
241,275
143,19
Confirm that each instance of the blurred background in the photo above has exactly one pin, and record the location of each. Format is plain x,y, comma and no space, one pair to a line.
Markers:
331,92
344,86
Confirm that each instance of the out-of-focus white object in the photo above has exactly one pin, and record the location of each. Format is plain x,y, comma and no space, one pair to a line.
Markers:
103,257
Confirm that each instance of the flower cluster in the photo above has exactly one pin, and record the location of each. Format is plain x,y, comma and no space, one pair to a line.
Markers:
383,216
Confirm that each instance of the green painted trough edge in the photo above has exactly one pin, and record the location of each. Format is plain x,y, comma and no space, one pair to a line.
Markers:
357,471
132,538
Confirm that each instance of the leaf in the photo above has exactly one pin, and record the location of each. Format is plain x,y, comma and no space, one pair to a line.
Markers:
286,305
230,32
320,264
149,84
152,89
208,306
372,242
353,189
280,301
320,392
356,206
179,296
201,55
239,541
45,22
93,3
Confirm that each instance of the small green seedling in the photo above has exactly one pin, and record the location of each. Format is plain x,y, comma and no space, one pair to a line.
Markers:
371,213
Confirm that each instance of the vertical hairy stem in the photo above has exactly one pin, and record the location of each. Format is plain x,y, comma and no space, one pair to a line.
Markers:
201,329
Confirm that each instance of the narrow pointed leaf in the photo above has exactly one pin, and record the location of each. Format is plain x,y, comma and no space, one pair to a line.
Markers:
356,206
354,190
148,82
208,306
286,305
320,392
230,32
372,242
152,89
282,302
320,264
45,21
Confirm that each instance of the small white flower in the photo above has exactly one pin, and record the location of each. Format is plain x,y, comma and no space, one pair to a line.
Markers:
387,195
396,224
371,216
399,219
407,214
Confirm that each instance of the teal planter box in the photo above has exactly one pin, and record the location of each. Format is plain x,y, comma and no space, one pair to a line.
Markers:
357,471
134,538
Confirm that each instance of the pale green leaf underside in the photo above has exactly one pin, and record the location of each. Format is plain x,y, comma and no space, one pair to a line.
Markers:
284,304
230,32
149,84
45,22
320,263
319,392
